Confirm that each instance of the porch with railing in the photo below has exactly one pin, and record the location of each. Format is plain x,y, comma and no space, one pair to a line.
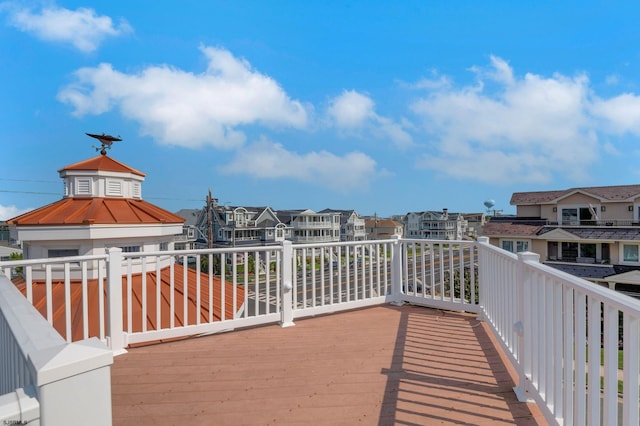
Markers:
548,324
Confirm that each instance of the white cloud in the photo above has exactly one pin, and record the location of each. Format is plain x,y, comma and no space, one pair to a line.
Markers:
182,108
8,212
529,130
265,159
437,82
351,109
501,71
354,113
83,28
620,114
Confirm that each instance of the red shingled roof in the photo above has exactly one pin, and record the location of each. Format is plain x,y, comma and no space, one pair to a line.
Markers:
611,193
76,297
102,162
89,211
505,229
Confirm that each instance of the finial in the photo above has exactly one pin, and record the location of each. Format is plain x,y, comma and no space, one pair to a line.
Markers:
105,140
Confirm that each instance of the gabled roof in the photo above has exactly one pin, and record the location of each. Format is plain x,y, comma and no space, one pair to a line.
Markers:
193,310
190,216
104,163
606,193
97,211
383,223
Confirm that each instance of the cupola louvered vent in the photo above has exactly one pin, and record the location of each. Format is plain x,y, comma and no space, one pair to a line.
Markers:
137,193
83,187
114,188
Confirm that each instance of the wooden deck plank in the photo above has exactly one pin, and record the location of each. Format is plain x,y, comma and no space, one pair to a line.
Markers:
378,366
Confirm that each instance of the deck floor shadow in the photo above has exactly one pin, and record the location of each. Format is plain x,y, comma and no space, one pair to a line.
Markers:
383,365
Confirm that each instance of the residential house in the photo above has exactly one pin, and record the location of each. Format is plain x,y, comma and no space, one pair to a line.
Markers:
381,229
308,226
4,234
590,232
352,225
436,225
475,224
192,236
236,225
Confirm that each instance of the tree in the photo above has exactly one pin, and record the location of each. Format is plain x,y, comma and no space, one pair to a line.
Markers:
204,263
16,256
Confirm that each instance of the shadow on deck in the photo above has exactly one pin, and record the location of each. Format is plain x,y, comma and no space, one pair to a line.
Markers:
378,366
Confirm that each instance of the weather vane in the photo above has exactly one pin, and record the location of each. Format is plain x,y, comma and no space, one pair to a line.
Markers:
105,140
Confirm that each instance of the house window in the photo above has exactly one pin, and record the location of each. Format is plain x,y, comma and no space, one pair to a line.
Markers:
569,216
629,253
164,246
130,249
519,245
588,250
62,252
577,216
569,250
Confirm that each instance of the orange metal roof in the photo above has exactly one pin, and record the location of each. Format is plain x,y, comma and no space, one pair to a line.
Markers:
103,211
76,297
102,162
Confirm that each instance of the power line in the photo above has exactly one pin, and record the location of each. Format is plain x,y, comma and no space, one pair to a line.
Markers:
30,192
31,180
175,199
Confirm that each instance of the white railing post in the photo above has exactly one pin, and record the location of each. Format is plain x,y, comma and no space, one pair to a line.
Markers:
287,285
522,324
114,300
396,271
74,383
483,277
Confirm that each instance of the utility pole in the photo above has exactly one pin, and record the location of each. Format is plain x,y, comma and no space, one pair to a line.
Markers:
209,222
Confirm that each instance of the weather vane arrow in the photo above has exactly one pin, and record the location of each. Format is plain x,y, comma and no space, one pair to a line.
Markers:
105,140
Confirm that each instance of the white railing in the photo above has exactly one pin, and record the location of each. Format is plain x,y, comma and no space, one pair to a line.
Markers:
547,322
43,378
563,335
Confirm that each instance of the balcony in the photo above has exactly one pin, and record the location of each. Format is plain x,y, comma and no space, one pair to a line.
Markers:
421,332
320,224
535,221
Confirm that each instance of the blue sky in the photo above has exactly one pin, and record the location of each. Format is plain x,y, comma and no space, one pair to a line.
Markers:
367,105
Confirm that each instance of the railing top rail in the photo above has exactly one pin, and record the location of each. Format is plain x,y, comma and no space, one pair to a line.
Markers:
436,241
31,329
605,295
217,250
342,243
51,260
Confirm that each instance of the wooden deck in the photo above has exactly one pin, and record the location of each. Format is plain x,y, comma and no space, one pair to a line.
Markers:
377,366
